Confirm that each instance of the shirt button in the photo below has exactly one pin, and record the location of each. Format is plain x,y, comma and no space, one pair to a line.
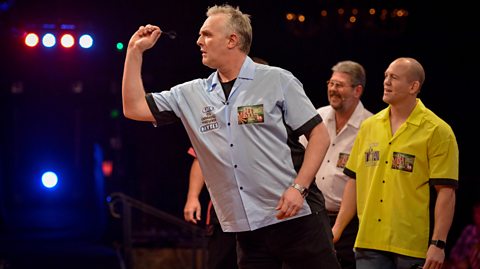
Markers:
241,188
228,124
386,162
235,166
379,220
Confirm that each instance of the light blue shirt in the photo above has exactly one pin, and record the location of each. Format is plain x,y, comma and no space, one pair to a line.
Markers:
241,142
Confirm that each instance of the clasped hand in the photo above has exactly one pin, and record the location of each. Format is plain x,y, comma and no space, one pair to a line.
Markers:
145,37
290,203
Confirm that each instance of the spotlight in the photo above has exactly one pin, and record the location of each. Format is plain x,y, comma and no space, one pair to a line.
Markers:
67,41
86,41
49,179
49,40
31,40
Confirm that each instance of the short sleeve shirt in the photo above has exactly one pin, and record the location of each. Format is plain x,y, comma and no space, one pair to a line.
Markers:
246,143
330,178
393,178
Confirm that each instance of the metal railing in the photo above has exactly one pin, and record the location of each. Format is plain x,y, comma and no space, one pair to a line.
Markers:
128,203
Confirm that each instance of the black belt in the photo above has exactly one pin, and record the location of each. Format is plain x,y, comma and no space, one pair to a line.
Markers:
332,213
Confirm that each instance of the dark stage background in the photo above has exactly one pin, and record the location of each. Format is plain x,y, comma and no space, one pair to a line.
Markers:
61,109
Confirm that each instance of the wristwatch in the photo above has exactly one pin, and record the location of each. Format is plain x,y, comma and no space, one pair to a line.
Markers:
438,243
303,190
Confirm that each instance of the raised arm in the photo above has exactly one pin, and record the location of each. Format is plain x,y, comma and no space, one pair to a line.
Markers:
133,93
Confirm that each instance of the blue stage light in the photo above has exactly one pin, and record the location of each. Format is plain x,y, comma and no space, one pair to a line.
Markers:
49,40
86,41
49,179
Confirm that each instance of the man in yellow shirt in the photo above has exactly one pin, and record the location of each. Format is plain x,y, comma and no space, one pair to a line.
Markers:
404,172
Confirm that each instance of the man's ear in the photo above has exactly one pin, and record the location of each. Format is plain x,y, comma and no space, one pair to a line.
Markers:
358,90
232,41
415,88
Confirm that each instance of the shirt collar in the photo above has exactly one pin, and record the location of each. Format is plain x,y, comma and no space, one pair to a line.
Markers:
414,118
246,72
417,114
357,116
355,119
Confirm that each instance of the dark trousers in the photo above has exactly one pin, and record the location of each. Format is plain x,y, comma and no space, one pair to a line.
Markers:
222,246
301,243
344,246
222,253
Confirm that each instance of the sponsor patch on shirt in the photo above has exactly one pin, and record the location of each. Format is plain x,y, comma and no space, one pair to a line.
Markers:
250,114
209,120
403,161
372,157
342,159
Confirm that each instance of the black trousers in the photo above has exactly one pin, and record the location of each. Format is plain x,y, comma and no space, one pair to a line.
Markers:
222,252
301,243
344,246
222,246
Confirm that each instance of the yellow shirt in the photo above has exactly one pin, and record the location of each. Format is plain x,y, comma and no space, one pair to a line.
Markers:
394,175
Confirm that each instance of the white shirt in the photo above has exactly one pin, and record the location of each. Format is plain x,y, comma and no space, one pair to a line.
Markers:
330,177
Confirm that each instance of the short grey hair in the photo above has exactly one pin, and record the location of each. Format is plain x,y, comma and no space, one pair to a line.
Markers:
354,69
238,23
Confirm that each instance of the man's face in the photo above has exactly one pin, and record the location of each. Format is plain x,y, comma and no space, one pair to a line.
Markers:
213,41
340,91
396,85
